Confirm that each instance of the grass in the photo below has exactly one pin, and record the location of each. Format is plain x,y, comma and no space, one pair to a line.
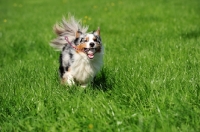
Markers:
149,82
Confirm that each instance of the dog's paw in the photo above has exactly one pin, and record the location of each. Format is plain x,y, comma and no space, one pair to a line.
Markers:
84,85
68,79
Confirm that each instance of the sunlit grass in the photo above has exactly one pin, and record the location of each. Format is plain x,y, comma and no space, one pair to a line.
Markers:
149,82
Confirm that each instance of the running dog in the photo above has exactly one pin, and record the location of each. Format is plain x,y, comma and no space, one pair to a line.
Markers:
81,54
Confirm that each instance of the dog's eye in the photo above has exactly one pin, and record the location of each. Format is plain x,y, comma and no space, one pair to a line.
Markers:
83,40
95,39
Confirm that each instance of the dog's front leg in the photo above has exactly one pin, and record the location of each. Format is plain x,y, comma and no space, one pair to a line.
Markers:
68,78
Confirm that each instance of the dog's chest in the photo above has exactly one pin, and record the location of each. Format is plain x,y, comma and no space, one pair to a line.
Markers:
83,70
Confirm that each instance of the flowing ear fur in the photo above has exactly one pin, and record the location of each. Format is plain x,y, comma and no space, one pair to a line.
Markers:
58,29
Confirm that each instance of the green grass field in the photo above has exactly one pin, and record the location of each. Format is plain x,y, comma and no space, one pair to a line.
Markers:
150,80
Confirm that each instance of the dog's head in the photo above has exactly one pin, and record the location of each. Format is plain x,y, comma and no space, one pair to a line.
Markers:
89,43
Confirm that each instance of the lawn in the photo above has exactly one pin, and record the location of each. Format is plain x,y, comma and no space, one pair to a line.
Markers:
150,80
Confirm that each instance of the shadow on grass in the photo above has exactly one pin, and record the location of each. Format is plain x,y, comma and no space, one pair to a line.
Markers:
191,34
104,81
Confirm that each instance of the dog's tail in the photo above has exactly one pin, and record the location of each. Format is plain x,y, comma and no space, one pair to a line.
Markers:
67,28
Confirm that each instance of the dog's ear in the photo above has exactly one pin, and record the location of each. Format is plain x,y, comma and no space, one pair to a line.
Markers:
78,34
97,32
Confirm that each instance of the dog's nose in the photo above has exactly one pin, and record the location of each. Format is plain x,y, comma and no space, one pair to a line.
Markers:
92,44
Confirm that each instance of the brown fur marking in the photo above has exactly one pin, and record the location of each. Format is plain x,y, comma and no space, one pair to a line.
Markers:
80,48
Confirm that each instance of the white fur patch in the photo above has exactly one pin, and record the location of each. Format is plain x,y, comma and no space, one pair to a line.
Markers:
83,70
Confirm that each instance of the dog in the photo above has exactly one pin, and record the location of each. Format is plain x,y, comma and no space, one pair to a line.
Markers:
81,56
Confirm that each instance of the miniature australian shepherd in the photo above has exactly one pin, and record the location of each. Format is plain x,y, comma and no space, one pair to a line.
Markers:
81,54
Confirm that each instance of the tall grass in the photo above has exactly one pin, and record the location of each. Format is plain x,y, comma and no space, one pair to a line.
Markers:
149,82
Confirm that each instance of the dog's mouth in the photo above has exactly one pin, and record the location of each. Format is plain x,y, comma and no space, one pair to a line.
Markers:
90,52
